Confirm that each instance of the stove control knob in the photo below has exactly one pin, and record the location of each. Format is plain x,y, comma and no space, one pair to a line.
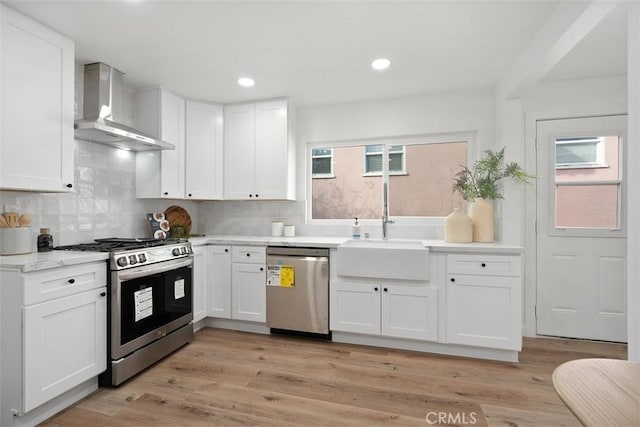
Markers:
142,258
176,251
183,250
122,261
133,259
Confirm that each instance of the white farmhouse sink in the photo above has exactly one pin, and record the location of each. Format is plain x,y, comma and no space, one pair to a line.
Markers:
384,259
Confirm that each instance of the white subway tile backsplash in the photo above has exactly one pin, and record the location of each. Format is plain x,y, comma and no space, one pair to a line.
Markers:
102,203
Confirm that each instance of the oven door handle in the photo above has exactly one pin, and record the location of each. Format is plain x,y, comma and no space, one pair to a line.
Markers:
148,271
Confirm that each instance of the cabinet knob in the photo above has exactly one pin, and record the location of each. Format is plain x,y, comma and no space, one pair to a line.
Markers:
102,294
189,194
165,193
257,195
483,264
69,185
71,281
250,195
226,250
248,254
386,290
453,280
375,289
261,268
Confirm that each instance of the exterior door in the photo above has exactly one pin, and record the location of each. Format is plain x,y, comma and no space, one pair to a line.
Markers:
581,228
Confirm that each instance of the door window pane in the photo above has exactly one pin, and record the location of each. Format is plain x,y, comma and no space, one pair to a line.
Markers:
587,206
587,182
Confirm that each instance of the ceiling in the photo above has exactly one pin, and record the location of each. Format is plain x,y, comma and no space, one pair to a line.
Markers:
318,52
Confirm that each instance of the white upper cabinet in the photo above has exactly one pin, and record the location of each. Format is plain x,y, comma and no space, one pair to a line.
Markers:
160,174
258,152
194,169
204,145
36,93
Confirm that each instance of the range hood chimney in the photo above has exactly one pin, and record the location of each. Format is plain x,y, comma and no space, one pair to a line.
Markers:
102,122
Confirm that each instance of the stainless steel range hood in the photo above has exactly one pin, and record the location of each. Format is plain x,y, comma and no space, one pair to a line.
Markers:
102,122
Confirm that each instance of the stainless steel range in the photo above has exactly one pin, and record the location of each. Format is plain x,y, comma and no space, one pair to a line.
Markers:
150,302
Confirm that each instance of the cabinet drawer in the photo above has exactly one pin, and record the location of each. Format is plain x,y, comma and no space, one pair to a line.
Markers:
490,265
59,282
249,254
219,249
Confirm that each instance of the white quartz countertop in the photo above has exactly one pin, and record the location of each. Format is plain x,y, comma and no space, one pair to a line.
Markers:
37,261
334,242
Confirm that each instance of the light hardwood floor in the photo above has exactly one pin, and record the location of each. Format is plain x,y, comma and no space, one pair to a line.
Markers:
234,378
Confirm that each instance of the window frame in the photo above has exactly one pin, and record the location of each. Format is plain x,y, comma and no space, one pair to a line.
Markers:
472,155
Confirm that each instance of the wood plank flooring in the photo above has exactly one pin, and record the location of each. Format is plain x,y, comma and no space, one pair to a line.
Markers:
232,378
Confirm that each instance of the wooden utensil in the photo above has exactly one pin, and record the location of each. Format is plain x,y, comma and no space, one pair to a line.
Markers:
25,220
13,219
178,216
3,222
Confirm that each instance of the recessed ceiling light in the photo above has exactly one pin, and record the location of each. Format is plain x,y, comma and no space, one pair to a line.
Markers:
246,82
380,64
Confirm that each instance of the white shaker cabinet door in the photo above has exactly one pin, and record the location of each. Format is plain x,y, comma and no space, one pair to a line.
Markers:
239,154
36,95
271,150
172,161
410,312
199,283
204,151
355,307
64,344
219,288
249,292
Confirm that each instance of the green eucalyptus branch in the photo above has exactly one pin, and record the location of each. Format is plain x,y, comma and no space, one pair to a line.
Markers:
482,181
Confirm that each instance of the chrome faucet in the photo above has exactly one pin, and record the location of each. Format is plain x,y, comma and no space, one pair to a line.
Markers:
385,212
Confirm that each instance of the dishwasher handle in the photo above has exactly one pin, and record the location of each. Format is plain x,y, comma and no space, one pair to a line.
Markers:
297,252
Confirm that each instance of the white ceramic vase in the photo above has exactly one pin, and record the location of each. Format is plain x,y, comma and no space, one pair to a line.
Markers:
458,227
481,213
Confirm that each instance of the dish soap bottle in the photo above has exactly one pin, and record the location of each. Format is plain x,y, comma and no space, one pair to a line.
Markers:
356,230
45,240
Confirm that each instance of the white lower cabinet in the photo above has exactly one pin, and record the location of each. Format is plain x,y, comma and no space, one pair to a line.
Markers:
200,275
388,309
64,345
248,283
484,300
54,333
219,287
237,283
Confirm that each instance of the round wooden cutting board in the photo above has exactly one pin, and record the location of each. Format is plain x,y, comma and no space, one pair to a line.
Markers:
178,216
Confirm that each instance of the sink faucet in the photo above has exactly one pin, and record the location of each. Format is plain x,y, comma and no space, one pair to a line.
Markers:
385,212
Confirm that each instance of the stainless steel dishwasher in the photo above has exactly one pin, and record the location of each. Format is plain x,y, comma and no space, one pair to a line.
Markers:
298,291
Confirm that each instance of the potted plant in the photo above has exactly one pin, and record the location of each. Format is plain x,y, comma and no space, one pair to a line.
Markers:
480,186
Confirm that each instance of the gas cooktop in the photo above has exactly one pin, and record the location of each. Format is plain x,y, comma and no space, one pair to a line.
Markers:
115,244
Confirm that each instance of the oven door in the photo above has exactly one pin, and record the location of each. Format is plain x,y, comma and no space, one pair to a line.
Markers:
148,303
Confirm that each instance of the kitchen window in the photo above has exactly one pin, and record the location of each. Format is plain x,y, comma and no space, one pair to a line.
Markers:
419,175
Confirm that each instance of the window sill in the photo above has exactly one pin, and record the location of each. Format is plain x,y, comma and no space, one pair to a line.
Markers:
323,176
399,173
583,166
